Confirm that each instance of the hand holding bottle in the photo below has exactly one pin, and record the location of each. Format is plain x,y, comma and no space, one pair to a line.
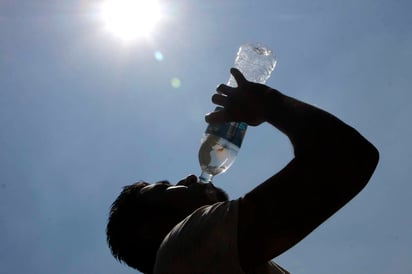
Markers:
243,103
227,124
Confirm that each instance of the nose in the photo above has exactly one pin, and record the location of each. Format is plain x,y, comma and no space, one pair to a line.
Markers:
191,179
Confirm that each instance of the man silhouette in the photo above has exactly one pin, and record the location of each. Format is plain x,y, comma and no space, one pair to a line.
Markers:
193,228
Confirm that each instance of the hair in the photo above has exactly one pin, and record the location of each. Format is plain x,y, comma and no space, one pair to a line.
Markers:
136,227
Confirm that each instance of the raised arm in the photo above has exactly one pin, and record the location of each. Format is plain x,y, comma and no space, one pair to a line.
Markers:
332,163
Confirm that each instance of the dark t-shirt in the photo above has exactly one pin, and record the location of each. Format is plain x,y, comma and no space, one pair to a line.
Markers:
206,243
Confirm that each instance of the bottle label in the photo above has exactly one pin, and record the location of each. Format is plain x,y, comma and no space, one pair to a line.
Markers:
233,132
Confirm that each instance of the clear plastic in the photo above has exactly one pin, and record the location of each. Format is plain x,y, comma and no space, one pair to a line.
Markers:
216,155
255,61
221,143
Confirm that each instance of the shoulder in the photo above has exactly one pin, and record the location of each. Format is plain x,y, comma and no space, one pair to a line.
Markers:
204,222
204,242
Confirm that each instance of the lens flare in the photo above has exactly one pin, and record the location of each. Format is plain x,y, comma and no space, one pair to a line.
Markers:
176,83
158,56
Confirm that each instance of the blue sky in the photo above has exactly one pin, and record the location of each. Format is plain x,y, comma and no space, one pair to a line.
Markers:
83,113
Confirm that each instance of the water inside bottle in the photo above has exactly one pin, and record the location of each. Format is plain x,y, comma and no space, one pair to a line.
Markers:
216,155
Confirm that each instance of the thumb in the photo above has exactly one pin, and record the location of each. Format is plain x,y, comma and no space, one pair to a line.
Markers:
216,117
239,77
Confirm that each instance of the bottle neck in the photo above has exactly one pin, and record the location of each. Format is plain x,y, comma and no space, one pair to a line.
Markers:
205,177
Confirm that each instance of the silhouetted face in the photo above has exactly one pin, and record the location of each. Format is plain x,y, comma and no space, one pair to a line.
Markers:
184,197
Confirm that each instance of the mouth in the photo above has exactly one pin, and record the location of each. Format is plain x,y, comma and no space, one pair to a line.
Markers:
183,183
189,180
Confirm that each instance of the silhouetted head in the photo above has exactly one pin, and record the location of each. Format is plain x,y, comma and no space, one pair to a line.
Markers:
144,213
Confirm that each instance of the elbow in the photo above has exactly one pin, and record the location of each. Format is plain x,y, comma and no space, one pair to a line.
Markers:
374,156
371,159
360,164
366,160
358,159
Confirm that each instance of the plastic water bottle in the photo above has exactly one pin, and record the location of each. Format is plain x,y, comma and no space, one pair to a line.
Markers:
220,143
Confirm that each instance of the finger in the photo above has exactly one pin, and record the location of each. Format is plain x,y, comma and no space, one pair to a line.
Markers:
225,89
216,117
219,99
240,79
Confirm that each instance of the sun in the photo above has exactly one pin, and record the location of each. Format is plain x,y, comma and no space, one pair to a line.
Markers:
130,19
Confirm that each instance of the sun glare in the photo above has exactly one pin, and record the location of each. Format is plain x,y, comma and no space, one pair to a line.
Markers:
130,19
